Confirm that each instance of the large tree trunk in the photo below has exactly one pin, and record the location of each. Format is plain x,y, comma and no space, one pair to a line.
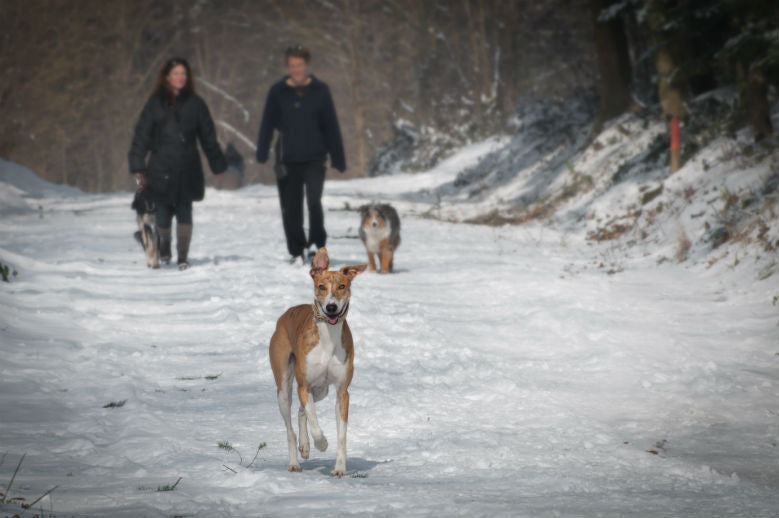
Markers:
668,91
476,55
753,97
613,63
669,85
353,41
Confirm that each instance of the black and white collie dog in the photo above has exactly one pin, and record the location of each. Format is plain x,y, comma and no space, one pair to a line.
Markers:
145,208
380,233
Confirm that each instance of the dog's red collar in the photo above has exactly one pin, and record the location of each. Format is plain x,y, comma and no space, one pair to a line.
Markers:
319,317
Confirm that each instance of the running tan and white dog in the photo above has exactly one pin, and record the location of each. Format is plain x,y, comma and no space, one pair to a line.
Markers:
380,233
313,344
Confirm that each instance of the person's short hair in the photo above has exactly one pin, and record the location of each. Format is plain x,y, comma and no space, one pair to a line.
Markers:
297,51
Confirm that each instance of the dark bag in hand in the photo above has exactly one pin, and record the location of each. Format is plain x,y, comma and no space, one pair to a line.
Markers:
280,168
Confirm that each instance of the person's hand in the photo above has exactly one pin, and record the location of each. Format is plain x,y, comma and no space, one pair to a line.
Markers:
140,180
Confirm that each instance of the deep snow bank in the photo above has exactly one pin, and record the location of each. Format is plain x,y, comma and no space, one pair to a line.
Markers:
615,188
20,188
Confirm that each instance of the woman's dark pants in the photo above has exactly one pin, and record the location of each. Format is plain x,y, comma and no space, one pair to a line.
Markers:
164,216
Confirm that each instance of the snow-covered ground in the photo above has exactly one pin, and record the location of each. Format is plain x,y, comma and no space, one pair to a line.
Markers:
499,372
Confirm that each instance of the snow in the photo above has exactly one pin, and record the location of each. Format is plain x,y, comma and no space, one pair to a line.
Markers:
499,372
21,180
414,189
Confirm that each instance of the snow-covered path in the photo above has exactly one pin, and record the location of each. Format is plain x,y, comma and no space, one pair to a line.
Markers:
499,373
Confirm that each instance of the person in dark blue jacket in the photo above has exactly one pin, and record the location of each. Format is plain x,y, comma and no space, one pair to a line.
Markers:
300,109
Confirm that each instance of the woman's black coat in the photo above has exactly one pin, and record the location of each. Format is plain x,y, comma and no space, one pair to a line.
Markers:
174,172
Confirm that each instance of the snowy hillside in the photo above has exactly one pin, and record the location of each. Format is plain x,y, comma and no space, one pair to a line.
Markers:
499,372
721,209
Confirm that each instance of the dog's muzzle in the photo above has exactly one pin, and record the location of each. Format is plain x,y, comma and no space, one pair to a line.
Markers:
331,313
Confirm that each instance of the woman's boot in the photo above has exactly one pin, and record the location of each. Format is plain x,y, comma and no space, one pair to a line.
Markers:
164,244
183,237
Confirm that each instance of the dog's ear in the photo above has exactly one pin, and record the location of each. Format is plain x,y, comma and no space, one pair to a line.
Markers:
364,210
321,259
320,263
354,270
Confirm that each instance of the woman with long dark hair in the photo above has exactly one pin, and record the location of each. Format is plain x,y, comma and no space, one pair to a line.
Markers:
172,120
300,109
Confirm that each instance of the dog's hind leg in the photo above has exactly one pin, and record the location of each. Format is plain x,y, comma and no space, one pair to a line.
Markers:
307,402
305,445
285,405
283,364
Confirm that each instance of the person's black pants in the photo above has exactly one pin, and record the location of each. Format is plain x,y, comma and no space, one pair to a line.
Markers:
310,175
165,213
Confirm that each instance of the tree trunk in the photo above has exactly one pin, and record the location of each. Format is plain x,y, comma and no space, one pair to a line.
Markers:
475,53
754,100
669,86
353,39
611,47
667,90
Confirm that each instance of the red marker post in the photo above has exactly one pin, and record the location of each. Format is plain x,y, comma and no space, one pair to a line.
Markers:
676,144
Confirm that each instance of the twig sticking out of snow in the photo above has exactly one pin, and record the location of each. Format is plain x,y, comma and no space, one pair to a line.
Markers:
261,446
169,488
225,445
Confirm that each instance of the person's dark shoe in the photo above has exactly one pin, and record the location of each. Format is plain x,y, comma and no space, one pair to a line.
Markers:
183,238
165,236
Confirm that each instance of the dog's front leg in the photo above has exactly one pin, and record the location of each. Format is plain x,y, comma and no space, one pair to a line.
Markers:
307,402
385,258
341,418
305,446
